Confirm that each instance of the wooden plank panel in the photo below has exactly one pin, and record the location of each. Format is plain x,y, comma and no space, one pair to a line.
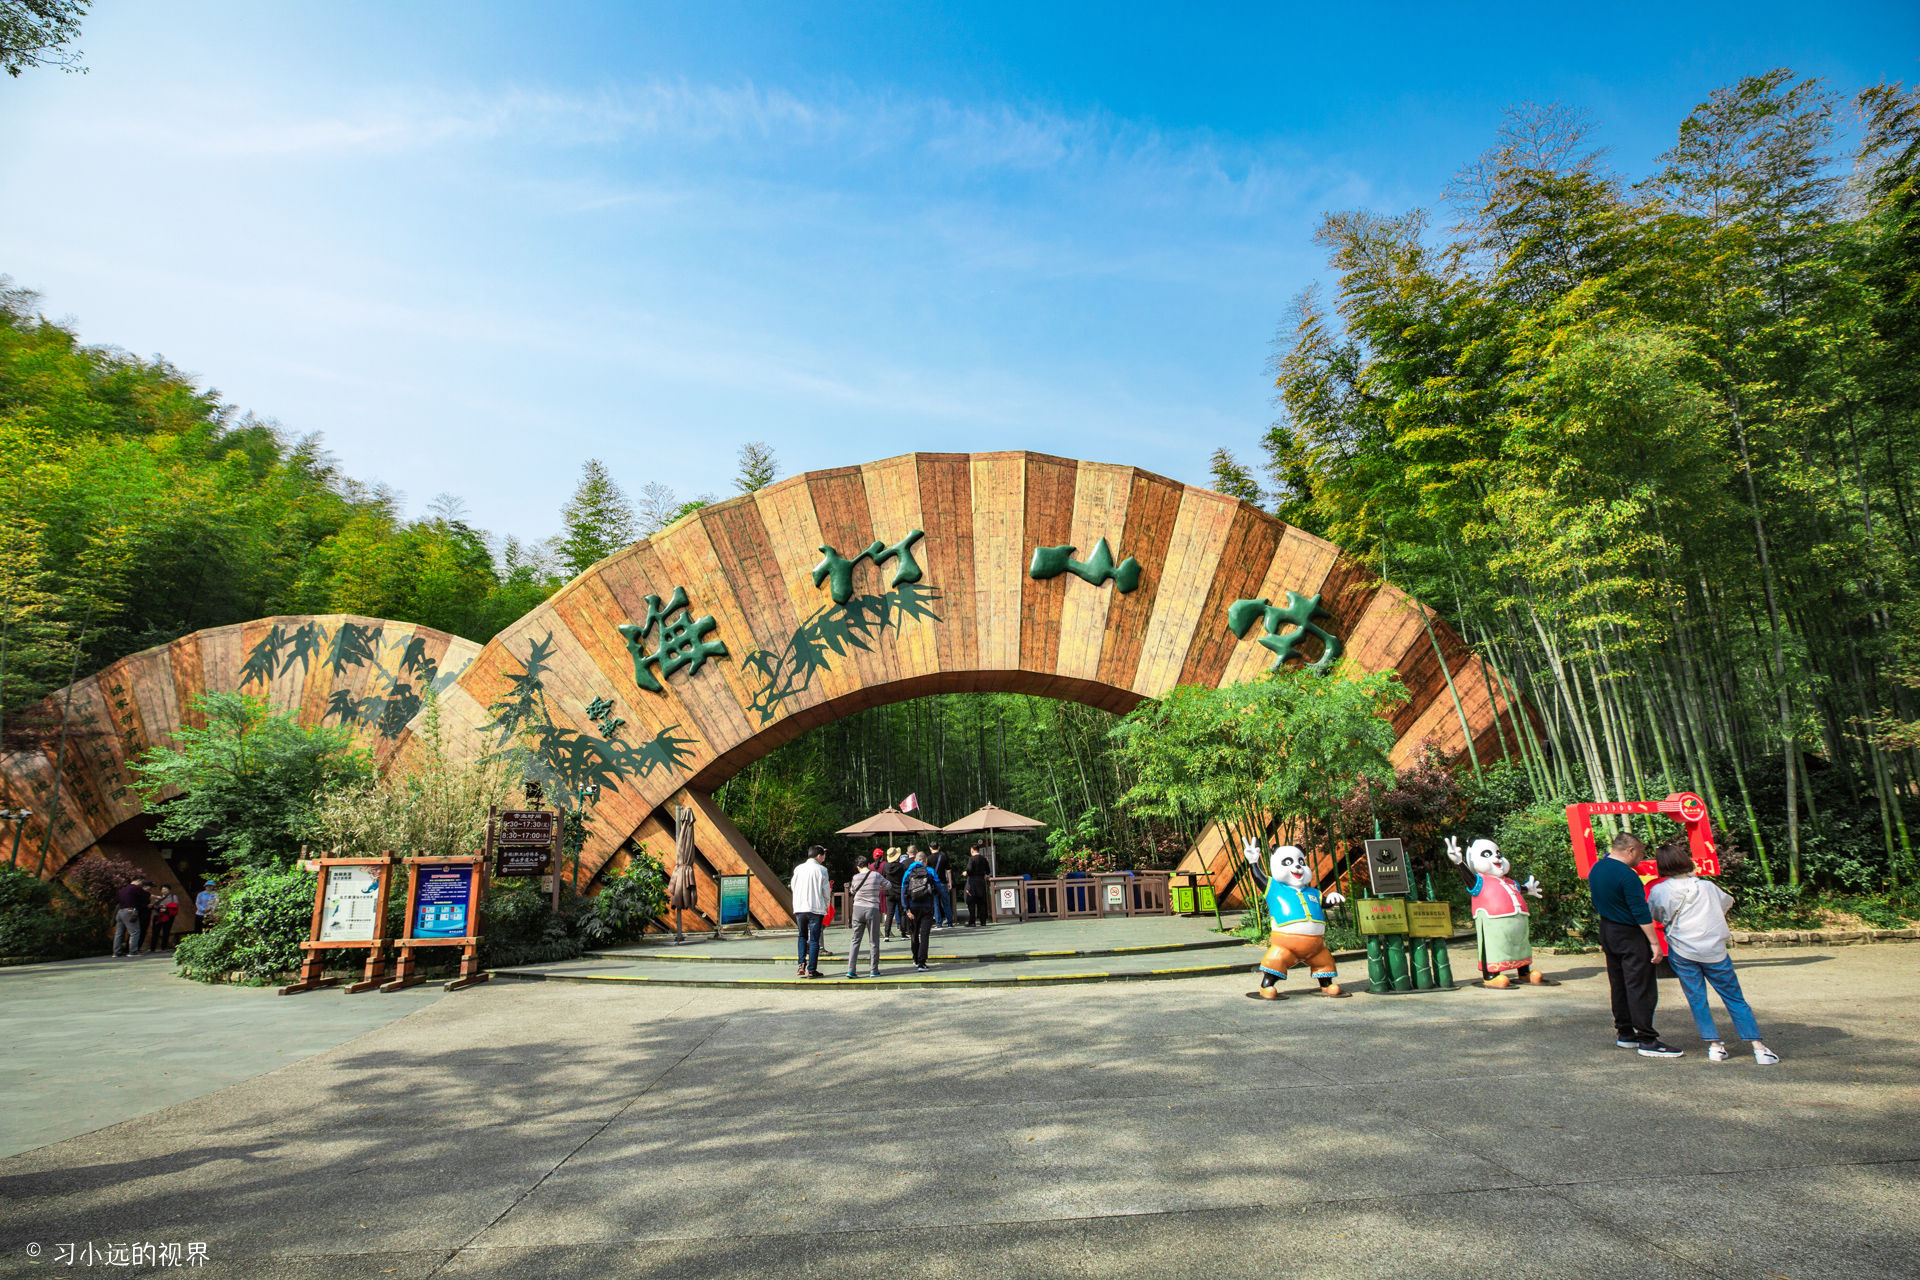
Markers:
768,898
893,498
1345,594
946,510
1153,508
1252,539
1199,535
1048,522
151,679
1100,493
999,535
846,525
189,680
793,531
744,549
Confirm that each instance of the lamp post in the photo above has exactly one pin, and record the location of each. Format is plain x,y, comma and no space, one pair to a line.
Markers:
18,817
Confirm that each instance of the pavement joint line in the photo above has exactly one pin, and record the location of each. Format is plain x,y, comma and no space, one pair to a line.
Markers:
606,1124
1128,1215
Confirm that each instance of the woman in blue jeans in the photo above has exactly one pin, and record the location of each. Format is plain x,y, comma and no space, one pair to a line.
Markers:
1694,912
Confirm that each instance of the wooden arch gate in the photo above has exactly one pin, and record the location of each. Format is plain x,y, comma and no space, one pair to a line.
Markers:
666,668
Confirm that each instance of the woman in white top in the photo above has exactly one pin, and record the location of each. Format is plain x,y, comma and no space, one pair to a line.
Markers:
1694,912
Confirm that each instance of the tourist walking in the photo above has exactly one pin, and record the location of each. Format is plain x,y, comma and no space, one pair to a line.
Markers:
1694,912
896,870
165,908
1631,944
866,903
921,899
812,891
943,904
978,869
131,900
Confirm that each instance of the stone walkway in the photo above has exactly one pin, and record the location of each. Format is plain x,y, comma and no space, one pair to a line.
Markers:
94,1042
1138,1130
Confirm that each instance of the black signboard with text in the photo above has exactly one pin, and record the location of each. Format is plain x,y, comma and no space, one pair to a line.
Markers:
523,841
1387,868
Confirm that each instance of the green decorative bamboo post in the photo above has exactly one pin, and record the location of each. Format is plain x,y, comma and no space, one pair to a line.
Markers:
1397,962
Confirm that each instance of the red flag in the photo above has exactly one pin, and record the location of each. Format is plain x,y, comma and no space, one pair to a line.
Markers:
911,803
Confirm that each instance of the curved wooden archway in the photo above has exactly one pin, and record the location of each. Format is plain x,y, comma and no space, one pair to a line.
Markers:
821,614
975,619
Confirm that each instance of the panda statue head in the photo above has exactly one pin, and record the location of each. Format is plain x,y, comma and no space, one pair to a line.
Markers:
1289,867
1484,859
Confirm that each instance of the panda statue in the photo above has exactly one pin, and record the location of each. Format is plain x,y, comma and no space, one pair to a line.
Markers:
1298,924
1499,913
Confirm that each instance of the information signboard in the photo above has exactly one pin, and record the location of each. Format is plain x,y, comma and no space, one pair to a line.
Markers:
1116,898
350,910
1009,900
443,897
1380,915
523,841
1387,868
1430,919
733,899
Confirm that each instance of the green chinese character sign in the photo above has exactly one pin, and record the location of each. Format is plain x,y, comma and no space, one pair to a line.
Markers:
836,571
681,642
1051,562
1299,611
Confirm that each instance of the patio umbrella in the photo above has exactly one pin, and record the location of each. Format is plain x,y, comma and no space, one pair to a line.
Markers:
989,818
681,892
888,822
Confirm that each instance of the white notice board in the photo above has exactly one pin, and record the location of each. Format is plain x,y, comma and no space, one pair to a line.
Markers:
347,915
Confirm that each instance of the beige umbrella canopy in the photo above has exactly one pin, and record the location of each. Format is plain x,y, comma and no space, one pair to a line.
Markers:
990,818
887,822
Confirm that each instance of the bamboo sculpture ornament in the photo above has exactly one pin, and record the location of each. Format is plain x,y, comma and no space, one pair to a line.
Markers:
1500,920
1298,923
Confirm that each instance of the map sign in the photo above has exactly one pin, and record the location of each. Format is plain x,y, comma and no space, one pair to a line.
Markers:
444,898
350,912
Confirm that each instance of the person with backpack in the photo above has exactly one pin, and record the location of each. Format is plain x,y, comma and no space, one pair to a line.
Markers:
921,897
943,906
866,901
896,871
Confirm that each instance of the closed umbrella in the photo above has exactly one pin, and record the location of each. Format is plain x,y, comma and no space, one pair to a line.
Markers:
681,891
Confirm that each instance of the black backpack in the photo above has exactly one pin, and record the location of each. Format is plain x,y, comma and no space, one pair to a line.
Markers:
920,886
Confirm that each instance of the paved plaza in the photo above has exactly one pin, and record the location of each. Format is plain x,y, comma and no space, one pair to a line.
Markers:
1133,1129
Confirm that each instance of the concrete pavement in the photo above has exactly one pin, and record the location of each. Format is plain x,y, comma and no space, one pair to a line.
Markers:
1160,1129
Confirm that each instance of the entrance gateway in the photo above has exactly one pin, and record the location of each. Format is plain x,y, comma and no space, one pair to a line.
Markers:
666,668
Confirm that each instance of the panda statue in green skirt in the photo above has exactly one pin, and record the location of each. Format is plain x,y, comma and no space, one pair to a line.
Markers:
1499,913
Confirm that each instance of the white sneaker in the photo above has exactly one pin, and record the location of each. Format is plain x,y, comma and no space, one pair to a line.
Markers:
1716,1052
1764,1056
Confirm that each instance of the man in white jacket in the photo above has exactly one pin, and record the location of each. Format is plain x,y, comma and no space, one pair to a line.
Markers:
812,891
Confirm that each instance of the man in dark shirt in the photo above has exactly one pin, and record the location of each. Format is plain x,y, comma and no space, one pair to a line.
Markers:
132,899
1631,944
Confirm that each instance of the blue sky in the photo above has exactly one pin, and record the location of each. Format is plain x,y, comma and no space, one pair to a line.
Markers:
475,244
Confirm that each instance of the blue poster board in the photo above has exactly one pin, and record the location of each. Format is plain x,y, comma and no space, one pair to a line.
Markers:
444,894
733,899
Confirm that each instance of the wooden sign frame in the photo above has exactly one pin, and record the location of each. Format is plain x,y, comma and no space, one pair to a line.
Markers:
310,968
469,944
